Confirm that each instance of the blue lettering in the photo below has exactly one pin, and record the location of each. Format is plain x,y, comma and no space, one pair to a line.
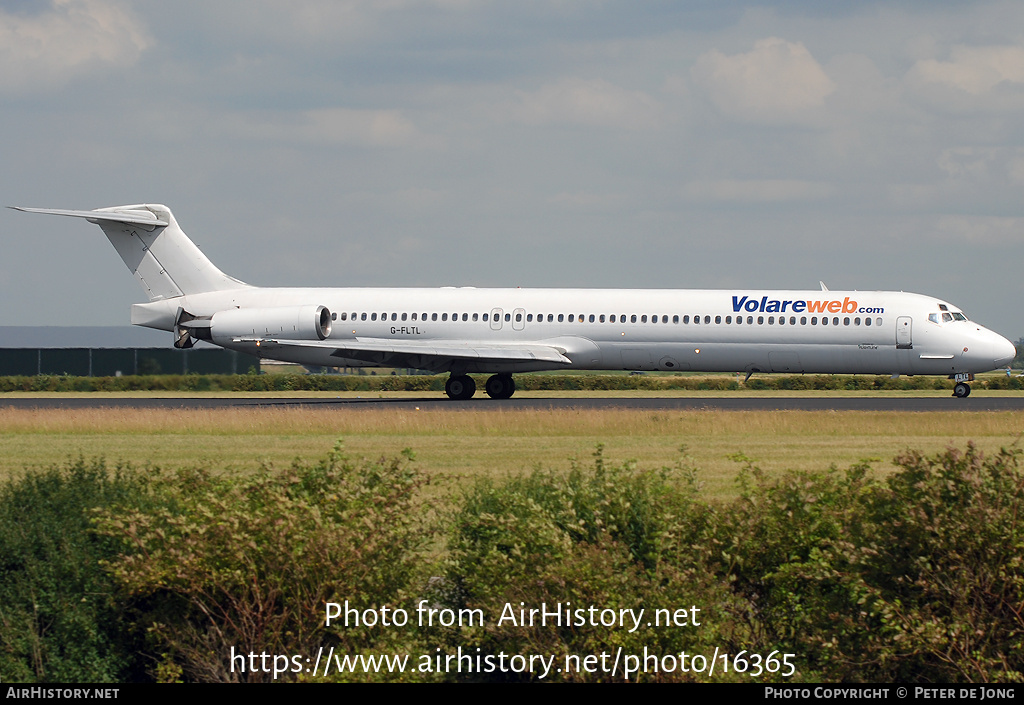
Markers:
737,303
799,306
764,300
785,304
773,306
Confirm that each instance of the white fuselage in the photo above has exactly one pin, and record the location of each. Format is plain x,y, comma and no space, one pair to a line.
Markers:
860,332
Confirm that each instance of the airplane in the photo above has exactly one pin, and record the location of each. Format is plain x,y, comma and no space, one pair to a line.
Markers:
502,331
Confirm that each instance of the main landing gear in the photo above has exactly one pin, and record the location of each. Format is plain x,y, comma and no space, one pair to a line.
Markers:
462,387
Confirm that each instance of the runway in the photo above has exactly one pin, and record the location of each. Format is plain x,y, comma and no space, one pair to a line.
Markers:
434,403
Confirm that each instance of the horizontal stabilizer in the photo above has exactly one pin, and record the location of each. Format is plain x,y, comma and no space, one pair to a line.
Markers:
135,217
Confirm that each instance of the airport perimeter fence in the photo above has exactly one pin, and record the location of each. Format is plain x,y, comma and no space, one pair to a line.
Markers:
119,362
435,383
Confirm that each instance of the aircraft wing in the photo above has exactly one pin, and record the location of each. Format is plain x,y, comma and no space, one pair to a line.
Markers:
425,356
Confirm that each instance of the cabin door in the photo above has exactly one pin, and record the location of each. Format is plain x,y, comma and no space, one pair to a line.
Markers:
904,339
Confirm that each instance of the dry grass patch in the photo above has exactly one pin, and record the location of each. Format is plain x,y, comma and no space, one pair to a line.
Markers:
450,445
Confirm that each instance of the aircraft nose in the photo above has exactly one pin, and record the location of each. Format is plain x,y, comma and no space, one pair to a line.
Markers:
1003,352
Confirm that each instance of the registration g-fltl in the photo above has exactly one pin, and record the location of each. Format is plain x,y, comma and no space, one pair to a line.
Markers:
504,331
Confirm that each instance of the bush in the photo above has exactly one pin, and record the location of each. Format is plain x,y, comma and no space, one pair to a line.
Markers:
249,563
58,619
602,536
918,577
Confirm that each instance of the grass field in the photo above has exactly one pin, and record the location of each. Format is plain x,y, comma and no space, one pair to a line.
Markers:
453,445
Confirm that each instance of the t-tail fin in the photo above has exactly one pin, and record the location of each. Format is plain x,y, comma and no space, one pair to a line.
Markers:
163,259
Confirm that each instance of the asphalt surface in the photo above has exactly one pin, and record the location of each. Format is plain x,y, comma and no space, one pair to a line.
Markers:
978,402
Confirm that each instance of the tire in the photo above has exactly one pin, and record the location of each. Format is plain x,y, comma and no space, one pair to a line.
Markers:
500,386
962,390
461,387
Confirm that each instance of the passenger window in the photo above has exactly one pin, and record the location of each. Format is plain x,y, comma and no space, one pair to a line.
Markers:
664,319
601,319
707,319
675,319
529,317
405,316
394,316
519,318
878,321
591,318
465,316
686,319
728,319
814,320
433,316
561,317
476,317
771,320
444,316
867,321
750,320
643,319
824,320
792,320
846,321
803,320
508,317
760,320
718,319
632,319
835,321
856,321
696,320
551,317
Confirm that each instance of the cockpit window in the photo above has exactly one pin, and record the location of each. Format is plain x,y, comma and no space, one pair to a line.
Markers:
947,317
959,317
933,317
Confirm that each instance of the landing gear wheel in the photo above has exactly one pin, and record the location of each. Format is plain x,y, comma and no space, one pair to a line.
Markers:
500,386
962,390
460,387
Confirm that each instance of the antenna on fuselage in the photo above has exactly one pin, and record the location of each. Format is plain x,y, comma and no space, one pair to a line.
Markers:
823,287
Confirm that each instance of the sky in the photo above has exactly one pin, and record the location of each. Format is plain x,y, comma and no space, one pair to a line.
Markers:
686,144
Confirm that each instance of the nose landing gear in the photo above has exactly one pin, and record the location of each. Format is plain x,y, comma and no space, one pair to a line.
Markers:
961,389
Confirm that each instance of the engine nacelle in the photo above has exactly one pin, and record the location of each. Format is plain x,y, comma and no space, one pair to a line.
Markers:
284,322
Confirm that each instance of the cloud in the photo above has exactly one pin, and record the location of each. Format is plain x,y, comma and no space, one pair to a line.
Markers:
376,128
752,191
595,103
975,79
980,230
68,38
974,70
776,82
